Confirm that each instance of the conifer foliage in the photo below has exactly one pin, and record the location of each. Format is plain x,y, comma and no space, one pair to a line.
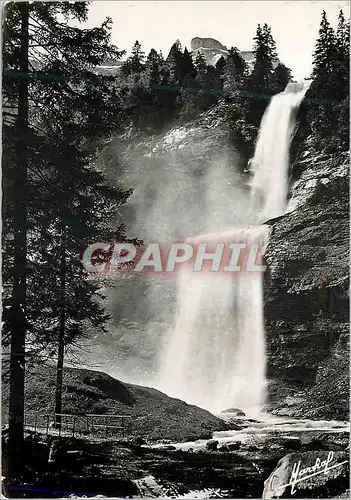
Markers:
57,113
329,90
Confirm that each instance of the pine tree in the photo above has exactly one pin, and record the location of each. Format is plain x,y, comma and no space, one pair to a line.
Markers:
134,65
343,81
200,62
135,87
343,34
18,299
137,58
325,56
281,76
57,109
187,68
220,65
181,78
81,210
174,61
265,59
272,57
154,67
207,84
235,72
330,86
260,80
342,57
160,102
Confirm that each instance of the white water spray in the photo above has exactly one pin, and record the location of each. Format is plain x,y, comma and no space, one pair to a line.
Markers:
215,354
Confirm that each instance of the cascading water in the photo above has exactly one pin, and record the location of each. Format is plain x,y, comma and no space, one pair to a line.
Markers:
215,354
270,163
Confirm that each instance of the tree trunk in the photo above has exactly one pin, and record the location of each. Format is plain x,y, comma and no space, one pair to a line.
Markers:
18,306
61,346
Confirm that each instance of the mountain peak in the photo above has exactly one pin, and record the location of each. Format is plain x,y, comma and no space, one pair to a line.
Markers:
206,43
212,50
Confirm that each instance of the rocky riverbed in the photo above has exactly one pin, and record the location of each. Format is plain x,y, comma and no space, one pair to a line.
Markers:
233,464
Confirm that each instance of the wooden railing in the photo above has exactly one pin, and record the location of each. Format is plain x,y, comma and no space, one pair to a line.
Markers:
107,424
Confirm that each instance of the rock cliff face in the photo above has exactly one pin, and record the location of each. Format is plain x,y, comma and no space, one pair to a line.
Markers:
209,43
306,288
213,50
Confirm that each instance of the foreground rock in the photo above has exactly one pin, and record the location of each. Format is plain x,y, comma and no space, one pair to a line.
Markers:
323,478
120,469
130,468
212,445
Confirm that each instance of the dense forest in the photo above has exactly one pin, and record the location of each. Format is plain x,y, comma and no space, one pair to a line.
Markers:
59,113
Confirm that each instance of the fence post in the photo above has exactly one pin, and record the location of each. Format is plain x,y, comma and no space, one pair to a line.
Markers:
122,425
35,422
73,425
47,424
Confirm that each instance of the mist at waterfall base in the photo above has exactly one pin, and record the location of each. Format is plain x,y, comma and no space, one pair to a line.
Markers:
211,341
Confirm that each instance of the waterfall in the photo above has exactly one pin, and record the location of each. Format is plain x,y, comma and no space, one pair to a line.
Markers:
270,163
215,355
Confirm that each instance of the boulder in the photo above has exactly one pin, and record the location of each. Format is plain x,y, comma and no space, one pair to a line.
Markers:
235,424
252,447
234,411
138,441
167,447
224,448
235,445
313,444
292,444
212,445
324,478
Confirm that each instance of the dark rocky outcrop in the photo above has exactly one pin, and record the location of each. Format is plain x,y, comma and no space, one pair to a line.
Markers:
212,445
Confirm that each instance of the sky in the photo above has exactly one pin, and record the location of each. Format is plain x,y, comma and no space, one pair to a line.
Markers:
158,25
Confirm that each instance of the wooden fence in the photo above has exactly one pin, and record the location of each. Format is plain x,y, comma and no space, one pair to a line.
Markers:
107,424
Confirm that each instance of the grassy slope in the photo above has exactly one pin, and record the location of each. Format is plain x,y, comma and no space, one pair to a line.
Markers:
154,414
